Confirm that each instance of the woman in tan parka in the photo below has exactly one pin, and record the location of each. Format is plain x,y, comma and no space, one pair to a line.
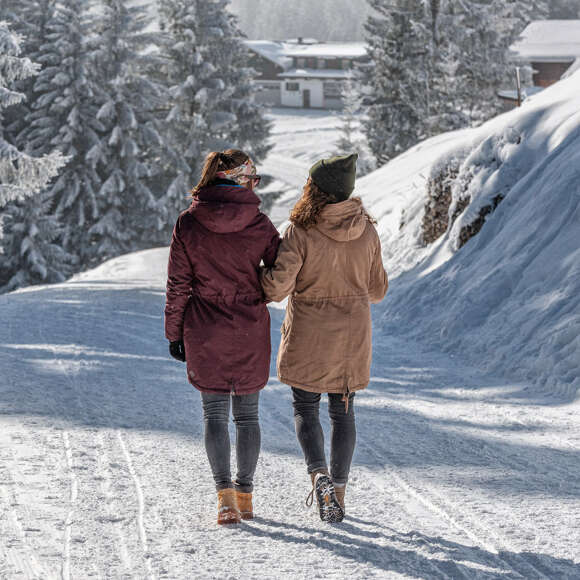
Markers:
330,265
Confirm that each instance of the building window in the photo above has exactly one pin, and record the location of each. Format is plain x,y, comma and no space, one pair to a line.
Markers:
346,63
332,89
311,63
300,63
321,63
292,87
334,64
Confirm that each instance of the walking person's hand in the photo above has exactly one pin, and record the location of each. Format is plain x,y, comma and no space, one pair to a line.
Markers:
177,350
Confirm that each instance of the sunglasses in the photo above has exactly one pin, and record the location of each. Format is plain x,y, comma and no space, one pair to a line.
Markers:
256,179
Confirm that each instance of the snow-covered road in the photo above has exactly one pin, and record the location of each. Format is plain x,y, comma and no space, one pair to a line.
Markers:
103,472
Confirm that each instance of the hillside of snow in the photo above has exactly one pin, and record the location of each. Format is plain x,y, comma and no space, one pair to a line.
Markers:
509,298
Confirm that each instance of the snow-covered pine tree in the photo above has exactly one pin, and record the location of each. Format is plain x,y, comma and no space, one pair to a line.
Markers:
522,12
564,9
63,115
211,105
480,33
31,248
398,39
21,174
351,137
437,65
130,147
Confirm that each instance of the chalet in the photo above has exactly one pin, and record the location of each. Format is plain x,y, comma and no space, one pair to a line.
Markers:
309,74
268,61
552,48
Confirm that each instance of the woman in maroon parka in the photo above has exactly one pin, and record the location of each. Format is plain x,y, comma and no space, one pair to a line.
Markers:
216,317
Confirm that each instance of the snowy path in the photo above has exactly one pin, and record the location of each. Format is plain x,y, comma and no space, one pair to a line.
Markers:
103,473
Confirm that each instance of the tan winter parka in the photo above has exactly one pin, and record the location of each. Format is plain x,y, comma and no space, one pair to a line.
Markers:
332,273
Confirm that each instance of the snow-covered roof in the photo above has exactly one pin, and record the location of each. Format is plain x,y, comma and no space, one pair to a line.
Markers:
573,68
270,50
314,73
549,41
327,50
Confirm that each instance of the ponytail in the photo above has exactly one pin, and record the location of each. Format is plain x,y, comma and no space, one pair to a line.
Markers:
212,165
215,162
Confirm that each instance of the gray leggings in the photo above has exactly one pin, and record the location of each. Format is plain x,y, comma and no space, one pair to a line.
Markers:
311,436
216,416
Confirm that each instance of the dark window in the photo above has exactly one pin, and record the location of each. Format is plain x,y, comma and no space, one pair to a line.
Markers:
547,73
292,86
334,64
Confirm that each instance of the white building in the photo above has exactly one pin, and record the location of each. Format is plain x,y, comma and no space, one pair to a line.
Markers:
308,74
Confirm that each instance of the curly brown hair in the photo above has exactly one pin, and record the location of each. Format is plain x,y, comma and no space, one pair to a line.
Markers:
306,212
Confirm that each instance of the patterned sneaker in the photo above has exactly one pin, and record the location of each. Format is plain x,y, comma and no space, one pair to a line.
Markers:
328,506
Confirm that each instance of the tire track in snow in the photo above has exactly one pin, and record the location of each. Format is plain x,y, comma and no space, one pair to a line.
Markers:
22,559
103,461
73,480
140,504
444,509
73,497
25,559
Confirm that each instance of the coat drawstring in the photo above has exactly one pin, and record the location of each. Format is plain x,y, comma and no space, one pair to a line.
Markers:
346,398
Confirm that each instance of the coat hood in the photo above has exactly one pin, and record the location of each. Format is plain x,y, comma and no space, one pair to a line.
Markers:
225,208
344,221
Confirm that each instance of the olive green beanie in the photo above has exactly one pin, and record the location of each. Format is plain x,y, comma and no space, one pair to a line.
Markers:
335,175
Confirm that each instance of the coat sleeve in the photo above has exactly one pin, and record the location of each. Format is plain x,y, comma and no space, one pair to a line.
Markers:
179,286
279,281
271,250
379,281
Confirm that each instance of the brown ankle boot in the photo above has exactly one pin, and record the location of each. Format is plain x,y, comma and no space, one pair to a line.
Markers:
245,505
340,490
228,512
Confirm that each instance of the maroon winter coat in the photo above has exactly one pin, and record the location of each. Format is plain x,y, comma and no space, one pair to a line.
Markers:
214,297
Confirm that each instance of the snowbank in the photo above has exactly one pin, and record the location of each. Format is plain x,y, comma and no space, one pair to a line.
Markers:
509,298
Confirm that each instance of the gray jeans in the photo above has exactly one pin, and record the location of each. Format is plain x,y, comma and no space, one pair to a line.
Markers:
311,436
216,416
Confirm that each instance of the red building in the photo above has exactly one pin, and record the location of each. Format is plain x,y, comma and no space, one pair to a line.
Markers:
551,48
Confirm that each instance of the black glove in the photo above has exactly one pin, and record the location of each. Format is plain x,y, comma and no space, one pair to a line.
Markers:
177,350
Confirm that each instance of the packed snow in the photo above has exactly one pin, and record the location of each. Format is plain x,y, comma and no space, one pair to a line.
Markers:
464,467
